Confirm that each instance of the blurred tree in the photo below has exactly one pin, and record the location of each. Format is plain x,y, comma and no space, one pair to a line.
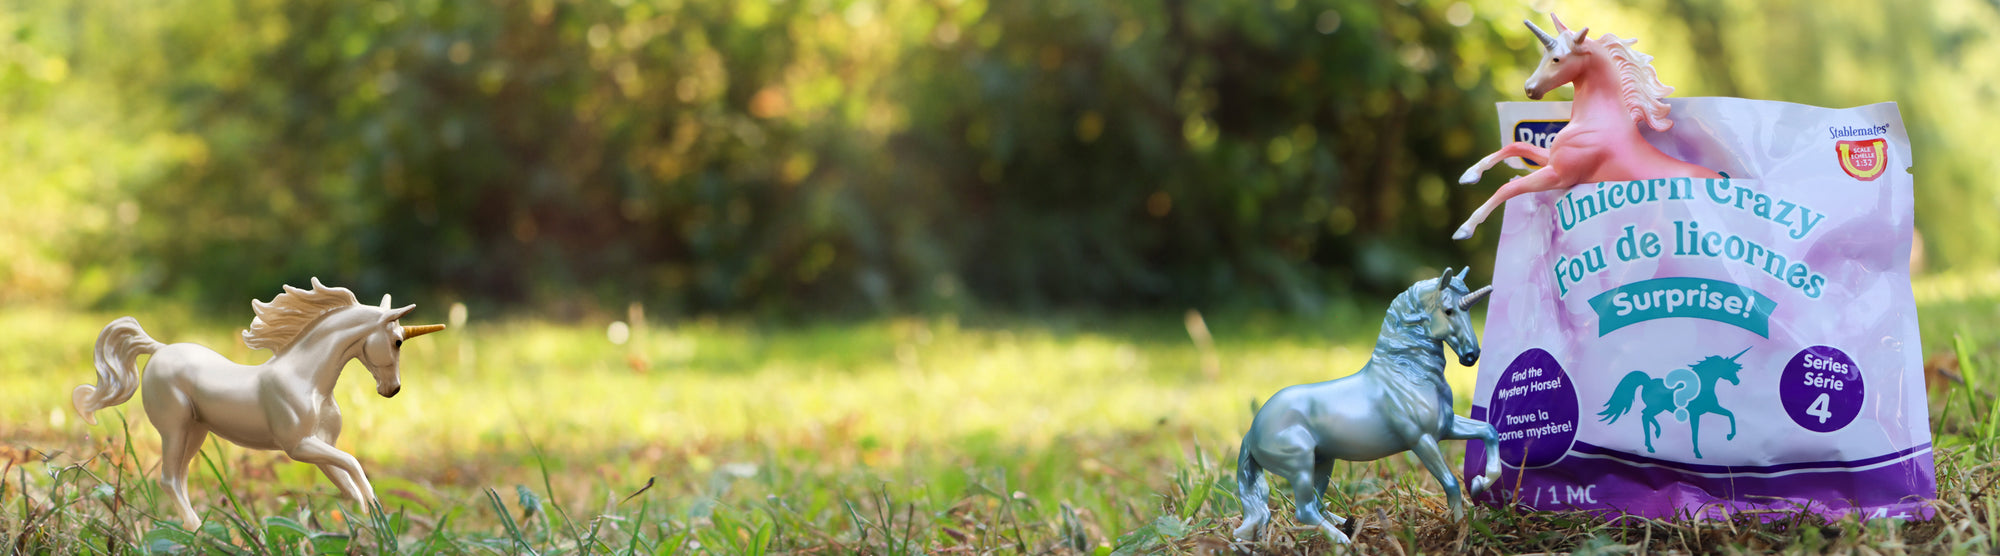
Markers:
843,155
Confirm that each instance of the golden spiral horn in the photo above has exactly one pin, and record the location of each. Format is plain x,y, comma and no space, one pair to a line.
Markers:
415,331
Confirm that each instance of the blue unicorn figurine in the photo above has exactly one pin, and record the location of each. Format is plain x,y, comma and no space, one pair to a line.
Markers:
1398,402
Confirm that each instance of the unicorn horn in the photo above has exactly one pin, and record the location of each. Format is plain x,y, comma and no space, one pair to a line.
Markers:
415,331
1739,354
1548,42
1470,299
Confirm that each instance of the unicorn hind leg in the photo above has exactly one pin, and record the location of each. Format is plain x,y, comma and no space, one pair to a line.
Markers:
1648,423
179,446
1322,475
1253,492
1541,180
1310,510
180,441
1289,454
1518,148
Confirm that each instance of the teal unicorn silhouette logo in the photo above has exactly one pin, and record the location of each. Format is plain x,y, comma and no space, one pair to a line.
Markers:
1689,393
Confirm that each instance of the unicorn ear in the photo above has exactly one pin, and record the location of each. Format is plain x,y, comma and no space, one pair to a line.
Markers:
1444,280
394,315
1580,35
1460,278
1560,28
385,301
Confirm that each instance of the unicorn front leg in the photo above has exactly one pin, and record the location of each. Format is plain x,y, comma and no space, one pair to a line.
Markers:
1468,429
1427,450
1521,149
1694,433
343,482
315,451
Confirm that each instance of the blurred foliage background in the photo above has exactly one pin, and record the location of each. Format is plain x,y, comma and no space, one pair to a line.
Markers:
857,156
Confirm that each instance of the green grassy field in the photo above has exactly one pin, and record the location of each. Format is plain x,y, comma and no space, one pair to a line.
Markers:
1072,434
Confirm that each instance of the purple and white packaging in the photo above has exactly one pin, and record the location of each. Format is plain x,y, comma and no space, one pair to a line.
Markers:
1696,347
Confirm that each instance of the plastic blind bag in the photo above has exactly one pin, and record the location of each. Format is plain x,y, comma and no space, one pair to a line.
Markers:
1694,347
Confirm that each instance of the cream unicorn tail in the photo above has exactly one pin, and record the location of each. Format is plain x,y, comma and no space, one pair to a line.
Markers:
118,349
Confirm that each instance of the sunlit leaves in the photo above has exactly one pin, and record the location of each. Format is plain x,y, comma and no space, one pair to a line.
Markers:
802,154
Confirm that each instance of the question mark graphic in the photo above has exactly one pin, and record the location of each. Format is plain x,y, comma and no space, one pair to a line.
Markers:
1689,386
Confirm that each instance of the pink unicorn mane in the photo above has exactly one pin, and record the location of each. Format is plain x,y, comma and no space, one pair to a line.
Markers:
1639,85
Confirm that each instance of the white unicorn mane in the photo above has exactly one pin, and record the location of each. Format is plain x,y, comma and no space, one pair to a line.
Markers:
1639,85
280,321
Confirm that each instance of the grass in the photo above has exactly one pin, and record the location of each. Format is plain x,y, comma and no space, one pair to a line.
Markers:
1064,435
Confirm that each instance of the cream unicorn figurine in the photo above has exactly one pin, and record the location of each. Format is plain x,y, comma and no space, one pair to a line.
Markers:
1616,88
284,404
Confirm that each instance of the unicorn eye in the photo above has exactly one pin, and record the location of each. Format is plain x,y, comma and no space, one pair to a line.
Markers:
1558,59
1449,311
398,344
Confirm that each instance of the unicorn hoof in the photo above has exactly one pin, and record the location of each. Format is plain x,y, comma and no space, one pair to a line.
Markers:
1336,536
1471,176
1463,233
1248,532
1478,485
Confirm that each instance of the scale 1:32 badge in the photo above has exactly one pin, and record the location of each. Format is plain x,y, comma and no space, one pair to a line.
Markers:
1864,159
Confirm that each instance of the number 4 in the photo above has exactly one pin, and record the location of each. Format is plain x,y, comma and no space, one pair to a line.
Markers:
1818,408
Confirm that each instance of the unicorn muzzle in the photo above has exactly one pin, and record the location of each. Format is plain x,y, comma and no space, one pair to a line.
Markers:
1534,88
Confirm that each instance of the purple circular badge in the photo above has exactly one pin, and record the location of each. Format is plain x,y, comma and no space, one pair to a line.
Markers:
1821,389
1534,409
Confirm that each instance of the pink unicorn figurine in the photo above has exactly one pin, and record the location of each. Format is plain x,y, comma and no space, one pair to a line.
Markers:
1616,88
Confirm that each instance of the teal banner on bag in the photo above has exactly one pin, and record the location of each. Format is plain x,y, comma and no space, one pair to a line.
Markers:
1696,298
